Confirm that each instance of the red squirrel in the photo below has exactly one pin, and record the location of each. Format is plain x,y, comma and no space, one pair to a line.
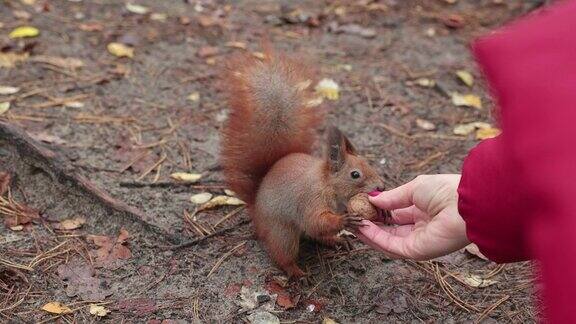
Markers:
266,158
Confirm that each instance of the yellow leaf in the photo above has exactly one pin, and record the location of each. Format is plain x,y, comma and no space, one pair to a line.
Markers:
222,201
328,320
24,31
137,9
98,310
186,177
229,192
488,132
328,89
56,308
466,77
17,228
194,96
120,50
423,82
201,198
4,106
468,100
9,60
465,129
159,17
239,45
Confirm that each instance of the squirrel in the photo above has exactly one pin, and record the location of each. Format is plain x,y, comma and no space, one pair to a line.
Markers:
266,157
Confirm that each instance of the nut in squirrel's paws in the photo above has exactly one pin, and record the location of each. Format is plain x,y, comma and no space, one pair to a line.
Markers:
361,206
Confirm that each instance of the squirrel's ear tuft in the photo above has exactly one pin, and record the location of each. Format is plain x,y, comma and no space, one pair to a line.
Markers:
338,147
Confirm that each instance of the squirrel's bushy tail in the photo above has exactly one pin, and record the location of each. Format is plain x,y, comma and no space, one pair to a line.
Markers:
271,115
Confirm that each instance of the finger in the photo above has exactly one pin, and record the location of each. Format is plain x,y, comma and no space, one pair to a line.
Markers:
400,197
408,215
383,239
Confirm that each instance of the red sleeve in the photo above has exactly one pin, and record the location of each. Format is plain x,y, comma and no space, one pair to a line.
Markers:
517,191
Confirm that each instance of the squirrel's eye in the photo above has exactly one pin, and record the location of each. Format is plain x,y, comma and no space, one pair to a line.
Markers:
355,174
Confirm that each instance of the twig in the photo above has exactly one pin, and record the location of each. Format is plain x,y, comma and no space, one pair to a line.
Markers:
224,257
154,166
491,308
230,214
201,239
60,101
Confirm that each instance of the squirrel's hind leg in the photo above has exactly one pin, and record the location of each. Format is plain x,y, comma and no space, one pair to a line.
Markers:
282,241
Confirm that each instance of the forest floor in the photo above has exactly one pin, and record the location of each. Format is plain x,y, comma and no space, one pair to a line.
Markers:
93,222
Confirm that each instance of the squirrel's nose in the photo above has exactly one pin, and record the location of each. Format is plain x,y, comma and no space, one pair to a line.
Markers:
380,188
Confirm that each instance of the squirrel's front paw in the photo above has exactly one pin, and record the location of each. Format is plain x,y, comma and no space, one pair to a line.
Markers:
352,221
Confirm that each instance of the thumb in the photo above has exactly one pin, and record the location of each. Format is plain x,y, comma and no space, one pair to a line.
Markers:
400,197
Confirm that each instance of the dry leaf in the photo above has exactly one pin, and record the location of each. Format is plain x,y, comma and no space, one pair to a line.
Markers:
98,310
159,16
468,100
71,224
81,281
259,55
111,252
229,192
4,106
239,45
194,96
201,198
24,31
137,9
9,60
186,177
56,308
465,129
476,281
328,320
466,77
91,27
17,228
425,124
6,90
222,201
47,138
69,63
474,250
487,132
207,51
120,50
328,89
74,104
423,82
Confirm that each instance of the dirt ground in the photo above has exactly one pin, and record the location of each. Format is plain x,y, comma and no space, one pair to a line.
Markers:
104,133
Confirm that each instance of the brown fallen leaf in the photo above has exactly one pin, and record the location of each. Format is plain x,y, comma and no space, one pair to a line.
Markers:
80,281
4,182
111,252
425,124
70,224
283,298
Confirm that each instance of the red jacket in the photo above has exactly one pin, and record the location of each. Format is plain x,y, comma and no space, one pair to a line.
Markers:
517,190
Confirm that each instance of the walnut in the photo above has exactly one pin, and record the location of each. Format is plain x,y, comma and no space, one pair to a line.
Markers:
359,204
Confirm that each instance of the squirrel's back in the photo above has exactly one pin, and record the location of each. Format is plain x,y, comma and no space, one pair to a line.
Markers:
271,115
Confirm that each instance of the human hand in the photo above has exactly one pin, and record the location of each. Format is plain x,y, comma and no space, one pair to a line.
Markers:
425,219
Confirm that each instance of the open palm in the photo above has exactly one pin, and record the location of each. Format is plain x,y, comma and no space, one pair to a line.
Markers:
425,222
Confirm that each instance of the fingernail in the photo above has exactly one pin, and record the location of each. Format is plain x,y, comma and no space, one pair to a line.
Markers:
374,193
